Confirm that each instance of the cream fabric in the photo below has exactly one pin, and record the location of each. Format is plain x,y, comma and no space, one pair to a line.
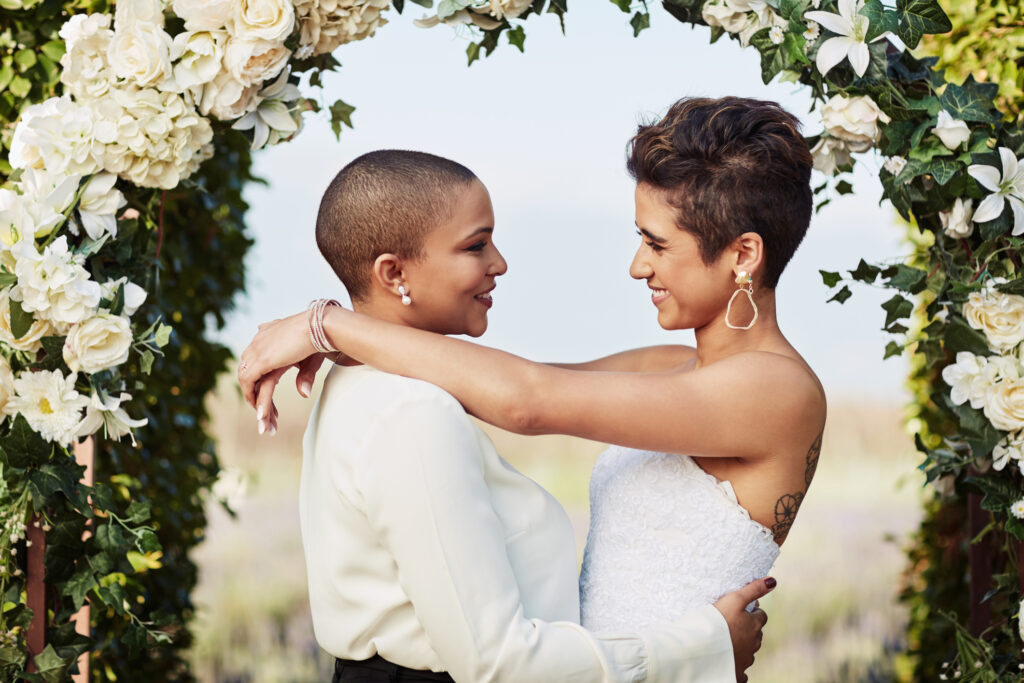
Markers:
424,546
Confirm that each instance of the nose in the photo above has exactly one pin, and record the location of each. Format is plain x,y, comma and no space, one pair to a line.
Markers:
640,269
498,265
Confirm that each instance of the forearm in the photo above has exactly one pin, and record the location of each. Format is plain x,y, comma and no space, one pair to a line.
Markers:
645,359
495,386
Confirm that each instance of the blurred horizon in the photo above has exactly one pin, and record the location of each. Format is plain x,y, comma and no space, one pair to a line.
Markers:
546,132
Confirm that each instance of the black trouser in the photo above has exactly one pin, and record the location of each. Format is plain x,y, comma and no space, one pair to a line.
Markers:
379,670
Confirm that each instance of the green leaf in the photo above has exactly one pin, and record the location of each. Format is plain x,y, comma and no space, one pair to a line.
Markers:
163,335
51,666
917,17
147,542
842,295
929,151
7,279
962,337
146,362
473,52
622,4
844,187
79,585
23,446
865,272
135,638
21,321
881,20
639,22
138,512
908,279
20,87
6,76
110,537
943,170
892,349
12,656
517,36
26,59
829,278
897,308
48,479
341,113
54,49
971,101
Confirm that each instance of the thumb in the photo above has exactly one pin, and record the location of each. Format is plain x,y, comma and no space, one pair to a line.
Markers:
755,590
307,373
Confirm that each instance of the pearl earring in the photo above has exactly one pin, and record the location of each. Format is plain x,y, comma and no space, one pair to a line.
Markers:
405,297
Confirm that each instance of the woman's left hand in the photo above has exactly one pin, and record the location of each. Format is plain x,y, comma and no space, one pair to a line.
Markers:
278,345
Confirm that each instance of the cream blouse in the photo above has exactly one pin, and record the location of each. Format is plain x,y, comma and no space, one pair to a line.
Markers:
424,546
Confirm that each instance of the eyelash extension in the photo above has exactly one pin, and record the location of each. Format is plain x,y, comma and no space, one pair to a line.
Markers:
479,246
653,245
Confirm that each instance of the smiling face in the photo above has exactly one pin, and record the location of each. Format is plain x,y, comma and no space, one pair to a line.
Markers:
450,284
688,293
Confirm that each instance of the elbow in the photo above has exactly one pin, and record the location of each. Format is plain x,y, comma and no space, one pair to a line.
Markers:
524,410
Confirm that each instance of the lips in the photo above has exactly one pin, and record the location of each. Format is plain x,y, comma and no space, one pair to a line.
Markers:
485,297
658,295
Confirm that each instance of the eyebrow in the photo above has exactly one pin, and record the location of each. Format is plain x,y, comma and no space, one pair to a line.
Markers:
651,236
479,231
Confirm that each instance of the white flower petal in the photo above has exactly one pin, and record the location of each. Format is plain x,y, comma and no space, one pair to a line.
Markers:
833,22
860,57
987,176
260,135
276,115
1009,160
831,52
1017,206
989,209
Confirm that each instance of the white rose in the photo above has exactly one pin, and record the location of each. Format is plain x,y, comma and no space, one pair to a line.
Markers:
271,20
56,134
204,15
6,386
1010,448
952,132
99,205
326,24
999,315
251,62
830,154
130,12
198,55
957,221
725,15
854,120
226,99
31,341
141,53
509,8
1004,405
101,342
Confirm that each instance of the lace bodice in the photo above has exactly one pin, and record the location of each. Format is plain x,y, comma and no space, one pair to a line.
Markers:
665,537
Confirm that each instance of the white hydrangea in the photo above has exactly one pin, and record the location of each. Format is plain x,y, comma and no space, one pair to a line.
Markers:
49,402
151,138
108,414
53,283
326,24
895,165
1010,448
56,134
85,70
970,378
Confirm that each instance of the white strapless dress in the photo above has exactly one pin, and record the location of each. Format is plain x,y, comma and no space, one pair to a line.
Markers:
665,537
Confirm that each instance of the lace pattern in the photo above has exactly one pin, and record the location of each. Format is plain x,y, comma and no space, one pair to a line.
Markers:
665,537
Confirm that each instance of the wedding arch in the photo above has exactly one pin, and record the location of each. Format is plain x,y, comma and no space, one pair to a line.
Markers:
127,139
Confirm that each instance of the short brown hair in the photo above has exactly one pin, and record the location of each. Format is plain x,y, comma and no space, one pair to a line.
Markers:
384,202
730,165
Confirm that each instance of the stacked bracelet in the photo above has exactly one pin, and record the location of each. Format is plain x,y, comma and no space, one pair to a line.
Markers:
316,325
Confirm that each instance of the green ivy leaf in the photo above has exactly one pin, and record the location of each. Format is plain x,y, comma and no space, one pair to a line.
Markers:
962,337
79,585
50,666
929,151
908,279
892,349
341,113
917,17
971,101
881,20
51,478
134,638
517,37
163,335
147,542
639,22
23,446
897,308
829,278
146,362
865,272
623,4
138,512
842,295
943,170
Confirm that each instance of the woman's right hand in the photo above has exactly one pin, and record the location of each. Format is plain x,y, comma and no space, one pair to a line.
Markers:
745,627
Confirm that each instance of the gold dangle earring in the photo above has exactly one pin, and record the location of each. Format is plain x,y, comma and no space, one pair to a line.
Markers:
746,285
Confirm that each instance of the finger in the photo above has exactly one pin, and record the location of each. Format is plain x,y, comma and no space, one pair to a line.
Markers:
273,419
754,590
307,373
761,617
265,398
247,379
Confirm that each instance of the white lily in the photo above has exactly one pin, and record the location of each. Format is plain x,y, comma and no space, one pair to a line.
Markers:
105,411
100,202
1007,186
851,29
272,119
39,210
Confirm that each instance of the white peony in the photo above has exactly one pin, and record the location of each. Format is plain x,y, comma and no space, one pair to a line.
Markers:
31,341
250,62
725,15
54,284
134,296
108,413
1004,405
830,154
101,342
969,379
85,70
99,205
49,402
57,135
952,132
141,54
326,24
956,222
198,56
1010,448
854,120
204,15
998,315
227,99
271,20
151,138
130,12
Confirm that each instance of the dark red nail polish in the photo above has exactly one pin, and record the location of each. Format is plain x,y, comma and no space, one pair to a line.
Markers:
770,582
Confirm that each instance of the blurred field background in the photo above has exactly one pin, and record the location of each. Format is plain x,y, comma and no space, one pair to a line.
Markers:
833,618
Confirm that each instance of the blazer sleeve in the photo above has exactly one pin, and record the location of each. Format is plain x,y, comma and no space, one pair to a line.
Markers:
420,471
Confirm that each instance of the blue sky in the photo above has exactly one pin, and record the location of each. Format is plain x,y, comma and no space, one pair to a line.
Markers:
546,132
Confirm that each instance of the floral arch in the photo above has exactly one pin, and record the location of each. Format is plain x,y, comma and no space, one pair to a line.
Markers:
127,140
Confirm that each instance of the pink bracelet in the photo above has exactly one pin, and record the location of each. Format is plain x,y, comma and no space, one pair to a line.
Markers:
316,325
